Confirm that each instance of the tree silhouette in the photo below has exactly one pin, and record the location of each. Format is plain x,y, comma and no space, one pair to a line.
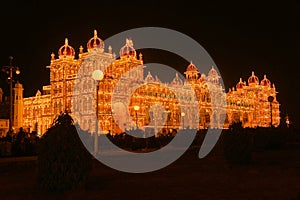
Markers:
63,161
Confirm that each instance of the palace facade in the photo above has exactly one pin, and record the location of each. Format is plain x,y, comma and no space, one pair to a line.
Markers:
71,88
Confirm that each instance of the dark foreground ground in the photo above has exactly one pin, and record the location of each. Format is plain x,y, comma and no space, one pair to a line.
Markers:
273,175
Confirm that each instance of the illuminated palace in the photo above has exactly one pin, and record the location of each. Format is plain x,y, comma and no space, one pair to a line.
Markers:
247,102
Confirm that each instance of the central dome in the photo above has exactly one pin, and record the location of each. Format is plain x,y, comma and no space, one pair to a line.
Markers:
128,50
95,42
66,50
253,79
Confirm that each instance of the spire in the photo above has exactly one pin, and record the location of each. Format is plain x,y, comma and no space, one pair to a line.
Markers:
109,49
66,42
141,56
95,33
52,56
80,49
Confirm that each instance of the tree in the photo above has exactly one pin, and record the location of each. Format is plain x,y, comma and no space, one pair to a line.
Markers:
63,161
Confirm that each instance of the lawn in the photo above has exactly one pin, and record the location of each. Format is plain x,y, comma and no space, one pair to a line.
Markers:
274,174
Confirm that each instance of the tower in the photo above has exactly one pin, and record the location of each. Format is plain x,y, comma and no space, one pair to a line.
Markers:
18,106
191,73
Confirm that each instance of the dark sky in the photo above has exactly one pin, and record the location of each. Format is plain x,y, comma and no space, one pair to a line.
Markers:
239,38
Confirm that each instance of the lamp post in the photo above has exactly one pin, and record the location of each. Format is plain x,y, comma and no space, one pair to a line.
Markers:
9,70
182,115
167,111
271,99
97,76
287,121
136,108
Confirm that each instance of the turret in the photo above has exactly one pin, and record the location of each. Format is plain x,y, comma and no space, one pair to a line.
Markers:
18,106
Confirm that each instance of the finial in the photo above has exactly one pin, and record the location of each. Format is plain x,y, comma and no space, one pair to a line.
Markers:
95,33
130,43
114,56
80,49
66,42
141,56
241,80
232,88
52,56
252,73
109,49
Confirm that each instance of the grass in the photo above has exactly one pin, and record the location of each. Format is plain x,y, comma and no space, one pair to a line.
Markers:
272,175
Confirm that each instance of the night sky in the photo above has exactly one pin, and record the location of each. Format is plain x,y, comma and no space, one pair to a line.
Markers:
240,38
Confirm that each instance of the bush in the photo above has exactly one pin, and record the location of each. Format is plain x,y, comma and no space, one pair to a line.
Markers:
63,161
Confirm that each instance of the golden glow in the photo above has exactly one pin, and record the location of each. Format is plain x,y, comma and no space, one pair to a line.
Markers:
247,103
97,75
136,108
18,71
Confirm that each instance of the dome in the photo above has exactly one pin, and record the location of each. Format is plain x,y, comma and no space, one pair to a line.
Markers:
95,42
177,80
191,67
265,82
149,78
213,72
240,84
127,50
253,79
66,50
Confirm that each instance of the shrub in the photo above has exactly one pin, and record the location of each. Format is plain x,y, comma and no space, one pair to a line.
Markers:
63,161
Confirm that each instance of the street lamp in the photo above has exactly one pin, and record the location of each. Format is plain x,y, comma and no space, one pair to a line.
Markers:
9,70
287,121
271,99
182,115
136,108
97,76
167,111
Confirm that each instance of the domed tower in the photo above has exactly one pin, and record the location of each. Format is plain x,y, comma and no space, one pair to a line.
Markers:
128,51
253,80
213,76
191,73
265,82
95,43
66,51
177,81
240,85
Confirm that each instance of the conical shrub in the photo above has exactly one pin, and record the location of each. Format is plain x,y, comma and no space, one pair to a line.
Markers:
63,161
